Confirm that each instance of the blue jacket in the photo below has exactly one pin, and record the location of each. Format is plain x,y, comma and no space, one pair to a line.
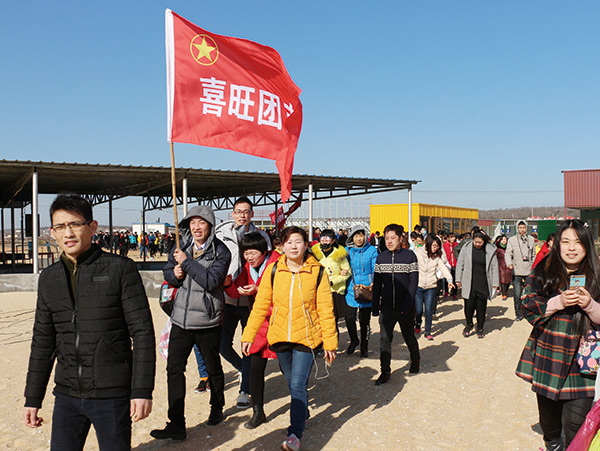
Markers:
362,261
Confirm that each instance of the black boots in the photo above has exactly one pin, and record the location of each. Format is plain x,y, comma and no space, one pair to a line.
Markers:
216,416
170,431
364,348
555,445
352,347
258,417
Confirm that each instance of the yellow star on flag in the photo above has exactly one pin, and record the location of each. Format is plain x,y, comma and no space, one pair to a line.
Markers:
204,50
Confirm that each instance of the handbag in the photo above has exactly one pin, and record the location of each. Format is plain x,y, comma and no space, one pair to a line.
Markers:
363,293
588,354
167,297
163,340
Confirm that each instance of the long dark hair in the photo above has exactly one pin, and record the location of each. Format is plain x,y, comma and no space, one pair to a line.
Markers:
552,275
481,234
429,242
498,240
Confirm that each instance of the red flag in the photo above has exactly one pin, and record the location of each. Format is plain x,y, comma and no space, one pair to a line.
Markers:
280,217
231,93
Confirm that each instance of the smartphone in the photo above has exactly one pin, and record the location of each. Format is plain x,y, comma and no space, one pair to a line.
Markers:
576,282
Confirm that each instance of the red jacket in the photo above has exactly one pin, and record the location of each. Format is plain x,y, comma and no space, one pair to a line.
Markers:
545,250
260,344
448,249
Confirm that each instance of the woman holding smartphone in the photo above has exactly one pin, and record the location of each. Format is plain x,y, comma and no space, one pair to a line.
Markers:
301,324
560,316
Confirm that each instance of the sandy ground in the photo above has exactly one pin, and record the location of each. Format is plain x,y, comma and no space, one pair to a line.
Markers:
466,396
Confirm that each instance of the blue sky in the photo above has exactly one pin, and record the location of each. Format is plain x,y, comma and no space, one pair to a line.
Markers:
485,102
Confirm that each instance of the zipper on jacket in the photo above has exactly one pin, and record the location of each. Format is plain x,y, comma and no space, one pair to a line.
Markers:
290,311
393,282
76,327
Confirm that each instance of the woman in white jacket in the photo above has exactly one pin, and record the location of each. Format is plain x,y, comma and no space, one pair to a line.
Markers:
430,262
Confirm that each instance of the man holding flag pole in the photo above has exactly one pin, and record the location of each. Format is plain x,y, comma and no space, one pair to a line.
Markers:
229,93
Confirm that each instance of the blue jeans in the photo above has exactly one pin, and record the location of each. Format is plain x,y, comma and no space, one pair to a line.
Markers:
232,316
296,366
202,372
518,285
72,418
426,297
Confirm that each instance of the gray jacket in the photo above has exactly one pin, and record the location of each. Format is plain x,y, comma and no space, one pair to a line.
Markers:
227,233
516,250
464,269
199,300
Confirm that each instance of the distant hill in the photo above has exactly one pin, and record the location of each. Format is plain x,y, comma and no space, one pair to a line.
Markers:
525,212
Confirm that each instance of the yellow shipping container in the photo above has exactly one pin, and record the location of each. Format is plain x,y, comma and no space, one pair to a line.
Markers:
433,217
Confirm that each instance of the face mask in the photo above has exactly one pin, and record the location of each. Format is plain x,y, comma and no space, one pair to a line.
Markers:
326,247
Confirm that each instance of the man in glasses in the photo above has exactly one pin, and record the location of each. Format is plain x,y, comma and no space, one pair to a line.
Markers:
93,318
237,310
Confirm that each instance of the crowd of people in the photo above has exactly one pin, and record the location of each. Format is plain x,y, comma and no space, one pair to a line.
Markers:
289,296
122,242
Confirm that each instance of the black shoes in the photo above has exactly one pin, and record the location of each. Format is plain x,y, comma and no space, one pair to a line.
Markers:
257,419
352,347
215,417
415,366
385,377
202,386
467,331
480,334
364,352
170,431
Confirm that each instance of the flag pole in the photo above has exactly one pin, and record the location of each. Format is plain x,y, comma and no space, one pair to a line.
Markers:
174,188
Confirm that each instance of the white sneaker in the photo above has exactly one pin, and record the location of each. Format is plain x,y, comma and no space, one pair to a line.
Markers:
243,401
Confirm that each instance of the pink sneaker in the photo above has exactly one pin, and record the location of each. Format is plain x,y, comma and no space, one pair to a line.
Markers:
429,337
291,443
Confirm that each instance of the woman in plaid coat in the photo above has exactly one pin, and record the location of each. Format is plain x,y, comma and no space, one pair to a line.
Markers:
560,316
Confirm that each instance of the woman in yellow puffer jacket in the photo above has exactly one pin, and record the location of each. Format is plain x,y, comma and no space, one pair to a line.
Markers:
302,321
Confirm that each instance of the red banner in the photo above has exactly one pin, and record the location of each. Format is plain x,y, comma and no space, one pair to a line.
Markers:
231,93
281,216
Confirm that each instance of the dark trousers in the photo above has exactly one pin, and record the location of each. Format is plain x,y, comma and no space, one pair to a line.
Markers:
518,285
258,365
364,319
387,322
72,418
232,316
181,343
566,414
339,306
504,288
476,302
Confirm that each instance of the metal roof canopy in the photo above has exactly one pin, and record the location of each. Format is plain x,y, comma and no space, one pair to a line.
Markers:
102,183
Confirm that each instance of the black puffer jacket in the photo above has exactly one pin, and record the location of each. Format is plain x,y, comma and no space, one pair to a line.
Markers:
91,336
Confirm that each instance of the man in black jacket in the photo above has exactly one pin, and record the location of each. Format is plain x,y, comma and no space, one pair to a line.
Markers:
91,309
394,288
